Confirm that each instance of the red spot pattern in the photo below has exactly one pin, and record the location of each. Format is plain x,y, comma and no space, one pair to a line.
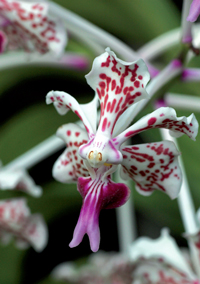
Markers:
15,220
118,93
71,158
167,123
67,103
161,272
151,121
155,164
30,26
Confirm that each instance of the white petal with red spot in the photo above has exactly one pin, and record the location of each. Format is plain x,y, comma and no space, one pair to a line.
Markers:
17,221
69,165
153,166
30,27
18,179
63,102
35,232
163,117
118,85
160,259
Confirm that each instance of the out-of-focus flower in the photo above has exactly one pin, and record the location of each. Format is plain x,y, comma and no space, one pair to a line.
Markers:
194,11
150,261
101,268
16,221
18,179
117,85
29,26
160,261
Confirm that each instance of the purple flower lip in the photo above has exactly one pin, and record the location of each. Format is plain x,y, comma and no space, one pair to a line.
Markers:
97,195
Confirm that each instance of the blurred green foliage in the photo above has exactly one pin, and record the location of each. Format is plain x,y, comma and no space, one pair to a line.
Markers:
26,121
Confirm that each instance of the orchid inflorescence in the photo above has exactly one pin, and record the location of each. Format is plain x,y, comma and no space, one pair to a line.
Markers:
100,145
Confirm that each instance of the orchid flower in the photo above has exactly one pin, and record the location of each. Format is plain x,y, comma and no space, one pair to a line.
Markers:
18,179
101,268
16,221
149,262
117,85
29,26
194,11
160,261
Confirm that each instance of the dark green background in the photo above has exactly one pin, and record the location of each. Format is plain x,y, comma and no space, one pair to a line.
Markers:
26,120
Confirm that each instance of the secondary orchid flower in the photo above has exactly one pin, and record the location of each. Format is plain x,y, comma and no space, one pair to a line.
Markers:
29,26
101,268
194,11
160,261
117,85
18,179
16,221
149,262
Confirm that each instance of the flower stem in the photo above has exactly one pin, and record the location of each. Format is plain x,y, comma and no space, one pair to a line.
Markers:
183,101
68,60
191,74
126,224
185,25
73,21
186,206
160,44
37,154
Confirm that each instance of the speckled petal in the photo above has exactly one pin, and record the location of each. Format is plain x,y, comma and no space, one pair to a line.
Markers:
163,117
16,220
153,166
35,232
31,28
69,166
118,85
160,261
63,102
18,179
